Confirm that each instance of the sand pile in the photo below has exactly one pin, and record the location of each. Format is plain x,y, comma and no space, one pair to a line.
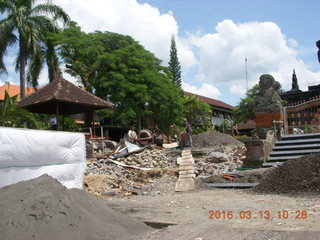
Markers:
42,208
300,175
213,138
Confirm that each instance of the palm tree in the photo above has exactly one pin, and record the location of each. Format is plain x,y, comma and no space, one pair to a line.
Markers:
11,116
28,26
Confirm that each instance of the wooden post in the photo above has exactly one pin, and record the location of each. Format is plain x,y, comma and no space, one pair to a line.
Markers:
57,114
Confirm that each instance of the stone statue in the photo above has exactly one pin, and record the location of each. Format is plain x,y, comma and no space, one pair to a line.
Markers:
269,94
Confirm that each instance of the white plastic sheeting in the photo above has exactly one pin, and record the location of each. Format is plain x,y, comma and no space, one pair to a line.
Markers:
27,154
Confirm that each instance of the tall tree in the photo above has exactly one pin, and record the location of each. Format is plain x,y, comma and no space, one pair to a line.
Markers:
117,68
27,24
174,65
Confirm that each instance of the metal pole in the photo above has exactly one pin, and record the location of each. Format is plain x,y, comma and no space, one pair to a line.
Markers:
246,73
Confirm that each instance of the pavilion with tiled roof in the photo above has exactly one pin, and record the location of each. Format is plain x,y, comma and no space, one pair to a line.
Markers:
61,97
64,97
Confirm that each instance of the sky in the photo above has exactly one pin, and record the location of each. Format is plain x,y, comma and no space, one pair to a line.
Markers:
213,37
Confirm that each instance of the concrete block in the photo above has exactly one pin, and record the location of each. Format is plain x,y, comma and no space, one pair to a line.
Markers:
183,176
184,185
186,167
186,172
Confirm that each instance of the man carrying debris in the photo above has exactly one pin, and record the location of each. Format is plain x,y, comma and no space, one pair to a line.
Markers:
132,135
187,142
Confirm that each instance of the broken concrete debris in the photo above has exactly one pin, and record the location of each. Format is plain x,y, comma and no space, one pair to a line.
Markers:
186,172
135,171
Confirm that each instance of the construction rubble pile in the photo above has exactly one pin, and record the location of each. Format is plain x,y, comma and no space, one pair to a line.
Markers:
213,152
104,177
149,158
222,160
216,153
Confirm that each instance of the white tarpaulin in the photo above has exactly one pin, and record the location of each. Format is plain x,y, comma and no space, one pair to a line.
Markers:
26,154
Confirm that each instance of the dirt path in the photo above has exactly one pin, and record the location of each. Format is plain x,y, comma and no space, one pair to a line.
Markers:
243,215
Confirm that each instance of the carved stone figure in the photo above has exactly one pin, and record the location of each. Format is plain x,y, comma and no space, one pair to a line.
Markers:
269,94
318,45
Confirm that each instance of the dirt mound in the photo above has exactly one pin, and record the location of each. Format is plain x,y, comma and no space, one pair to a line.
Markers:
212,139
294,176
42,208
247,176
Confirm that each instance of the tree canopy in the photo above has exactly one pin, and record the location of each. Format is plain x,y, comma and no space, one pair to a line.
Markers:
198,113
118,69
247,106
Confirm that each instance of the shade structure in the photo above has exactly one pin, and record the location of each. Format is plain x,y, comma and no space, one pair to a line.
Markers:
61,97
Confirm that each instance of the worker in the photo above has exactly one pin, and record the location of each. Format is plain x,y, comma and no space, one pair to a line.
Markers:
132,135
53,122
188,131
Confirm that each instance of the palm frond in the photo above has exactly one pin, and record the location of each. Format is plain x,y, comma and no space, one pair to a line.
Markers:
57,12
10,115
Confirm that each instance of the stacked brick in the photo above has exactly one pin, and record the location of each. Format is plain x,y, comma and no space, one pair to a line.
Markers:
186,172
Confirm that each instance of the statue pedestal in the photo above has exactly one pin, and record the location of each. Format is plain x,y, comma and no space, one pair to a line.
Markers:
264,121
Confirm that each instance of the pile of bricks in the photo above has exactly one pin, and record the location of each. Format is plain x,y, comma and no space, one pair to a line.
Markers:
186,172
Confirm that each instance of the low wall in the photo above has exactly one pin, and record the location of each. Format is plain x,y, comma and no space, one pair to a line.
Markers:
258,150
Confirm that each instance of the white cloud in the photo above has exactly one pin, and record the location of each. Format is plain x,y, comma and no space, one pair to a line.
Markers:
208,60
206,90
141,21
222,56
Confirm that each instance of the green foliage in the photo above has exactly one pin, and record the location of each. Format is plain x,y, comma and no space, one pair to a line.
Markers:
65,123
198,113
174,64
11,116
224,127
247,106
27,25
118,69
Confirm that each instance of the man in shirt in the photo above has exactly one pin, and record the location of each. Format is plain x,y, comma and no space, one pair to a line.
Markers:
132,135
188,131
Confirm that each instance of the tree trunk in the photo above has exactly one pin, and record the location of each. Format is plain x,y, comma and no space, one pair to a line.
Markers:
22,67
52,71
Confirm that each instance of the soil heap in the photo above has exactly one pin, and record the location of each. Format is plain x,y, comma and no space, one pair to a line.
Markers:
42,208
214,139
300,175
221,153
247,176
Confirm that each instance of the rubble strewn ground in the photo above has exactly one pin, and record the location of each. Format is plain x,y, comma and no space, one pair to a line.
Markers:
104,178
214,153
141,188
246,176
